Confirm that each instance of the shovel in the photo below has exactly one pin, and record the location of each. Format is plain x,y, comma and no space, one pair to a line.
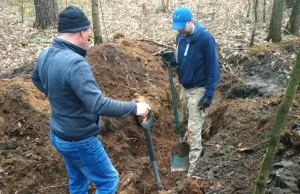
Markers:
146,124
179,152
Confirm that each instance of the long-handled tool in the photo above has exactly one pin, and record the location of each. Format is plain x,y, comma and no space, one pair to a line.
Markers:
146,124
179,152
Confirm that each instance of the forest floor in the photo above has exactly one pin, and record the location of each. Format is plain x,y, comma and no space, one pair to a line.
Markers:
236,131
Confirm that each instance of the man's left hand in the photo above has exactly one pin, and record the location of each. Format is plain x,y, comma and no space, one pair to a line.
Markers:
204,102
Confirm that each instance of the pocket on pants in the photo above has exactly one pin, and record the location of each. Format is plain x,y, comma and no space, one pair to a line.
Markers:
96,151
69,151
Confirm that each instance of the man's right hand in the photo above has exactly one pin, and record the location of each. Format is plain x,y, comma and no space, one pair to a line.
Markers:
142,109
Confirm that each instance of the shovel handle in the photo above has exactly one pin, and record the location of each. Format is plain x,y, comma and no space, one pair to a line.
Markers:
174,103
146,126
152,158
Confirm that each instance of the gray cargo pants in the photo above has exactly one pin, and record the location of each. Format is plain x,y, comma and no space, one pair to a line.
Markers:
195,118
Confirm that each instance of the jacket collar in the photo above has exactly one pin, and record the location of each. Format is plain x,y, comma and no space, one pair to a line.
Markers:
58,42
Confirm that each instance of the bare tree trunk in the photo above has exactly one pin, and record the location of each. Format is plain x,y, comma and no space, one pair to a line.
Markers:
277,127
167,5
276,21
294,20
255,23
264,12
96,23
22,10
163,9
249,8
46,14
103,21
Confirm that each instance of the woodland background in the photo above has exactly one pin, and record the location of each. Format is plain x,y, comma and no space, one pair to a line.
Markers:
252,86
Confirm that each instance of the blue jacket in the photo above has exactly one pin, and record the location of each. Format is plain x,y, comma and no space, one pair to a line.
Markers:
198,63
64,75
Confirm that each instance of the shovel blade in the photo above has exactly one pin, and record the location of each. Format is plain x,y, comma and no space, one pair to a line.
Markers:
180,163
180,157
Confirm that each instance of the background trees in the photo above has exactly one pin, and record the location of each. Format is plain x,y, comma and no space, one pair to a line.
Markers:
294,20
231,29
255,23
276,21
96,22
46,14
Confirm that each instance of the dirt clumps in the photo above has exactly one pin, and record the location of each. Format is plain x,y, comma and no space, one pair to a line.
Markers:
235,134
125,70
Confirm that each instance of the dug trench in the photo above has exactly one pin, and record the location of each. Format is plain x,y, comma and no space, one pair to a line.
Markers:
235,134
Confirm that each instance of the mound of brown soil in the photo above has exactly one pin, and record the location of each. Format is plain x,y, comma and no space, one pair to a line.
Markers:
235,134
125,70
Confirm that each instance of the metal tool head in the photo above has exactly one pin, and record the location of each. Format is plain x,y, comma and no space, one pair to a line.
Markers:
180,157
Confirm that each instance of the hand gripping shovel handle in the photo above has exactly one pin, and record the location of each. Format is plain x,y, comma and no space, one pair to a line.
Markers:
146,126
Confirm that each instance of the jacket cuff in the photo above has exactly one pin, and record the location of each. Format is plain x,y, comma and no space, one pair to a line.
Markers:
134,110
209,93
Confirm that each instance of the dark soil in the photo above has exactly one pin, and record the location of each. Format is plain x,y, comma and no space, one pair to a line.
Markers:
235,134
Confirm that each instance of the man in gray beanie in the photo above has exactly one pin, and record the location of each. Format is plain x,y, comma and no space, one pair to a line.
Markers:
77,104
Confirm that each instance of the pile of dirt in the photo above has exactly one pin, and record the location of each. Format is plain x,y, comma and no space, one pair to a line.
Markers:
125,70
235,134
